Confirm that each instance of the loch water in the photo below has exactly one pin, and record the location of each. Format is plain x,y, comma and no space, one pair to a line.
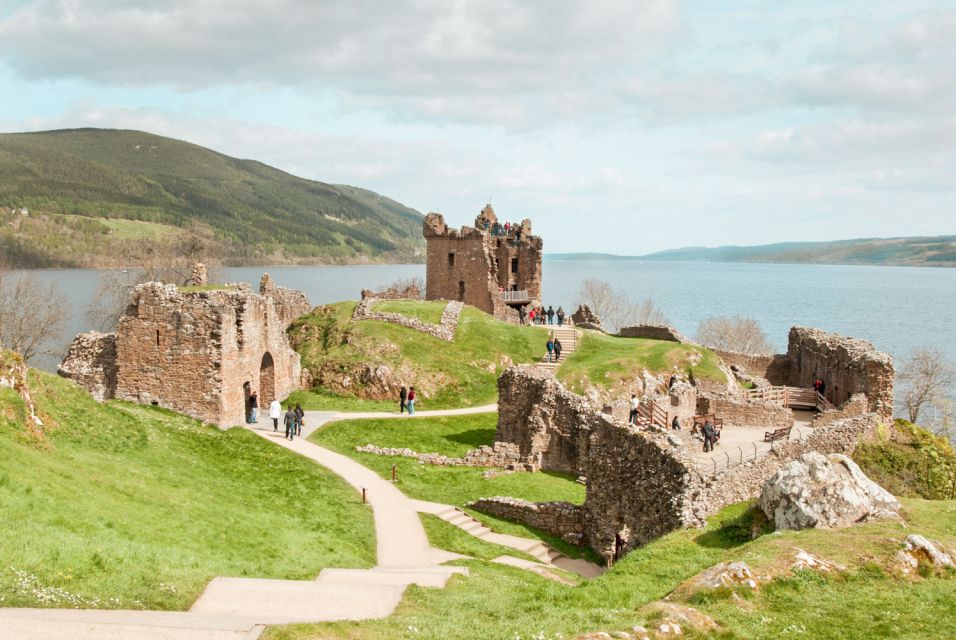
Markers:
896,308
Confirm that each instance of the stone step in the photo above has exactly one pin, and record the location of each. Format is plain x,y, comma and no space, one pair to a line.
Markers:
290,601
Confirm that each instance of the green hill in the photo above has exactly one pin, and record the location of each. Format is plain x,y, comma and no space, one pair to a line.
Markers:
86,190
933,251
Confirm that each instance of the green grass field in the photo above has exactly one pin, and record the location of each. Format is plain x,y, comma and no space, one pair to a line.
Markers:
865,602
604,360
130,506
429,312
446,375
451,436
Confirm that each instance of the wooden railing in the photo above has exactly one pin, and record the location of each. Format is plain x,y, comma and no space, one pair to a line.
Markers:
650,414
792,397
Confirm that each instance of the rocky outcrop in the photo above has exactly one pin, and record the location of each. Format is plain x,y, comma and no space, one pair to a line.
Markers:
919,550
824,491
91,363
13,375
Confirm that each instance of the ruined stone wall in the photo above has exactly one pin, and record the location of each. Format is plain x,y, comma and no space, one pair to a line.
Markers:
739,411
91,363
444,330
846,365
857,405
472,266
561,519
774,368
550,426
654,332
202,352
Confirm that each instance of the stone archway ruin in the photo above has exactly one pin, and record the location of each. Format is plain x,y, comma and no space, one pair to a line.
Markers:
267,380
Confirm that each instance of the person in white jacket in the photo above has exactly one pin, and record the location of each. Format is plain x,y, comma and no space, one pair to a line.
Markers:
275,412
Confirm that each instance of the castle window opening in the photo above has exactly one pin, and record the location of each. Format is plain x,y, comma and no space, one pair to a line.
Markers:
514,265
157,337
461,290
451,259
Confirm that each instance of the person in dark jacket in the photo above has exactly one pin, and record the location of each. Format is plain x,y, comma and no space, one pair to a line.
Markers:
402,396
550,346
253,407
675,424
710,436
550,314
560,315
289,421
299,420
557,350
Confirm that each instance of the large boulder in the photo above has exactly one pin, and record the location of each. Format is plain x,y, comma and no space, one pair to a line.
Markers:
824,491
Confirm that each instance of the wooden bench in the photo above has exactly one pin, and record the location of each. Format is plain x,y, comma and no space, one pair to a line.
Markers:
777,434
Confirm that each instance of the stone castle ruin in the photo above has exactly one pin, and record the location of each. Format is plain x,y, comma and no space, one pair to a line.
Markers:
641,483
495,270
200,352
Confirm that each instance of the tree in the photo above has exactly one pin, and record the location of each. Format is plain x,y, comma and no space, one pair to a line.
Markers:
614,309
927,380
733,333
169,262
32,315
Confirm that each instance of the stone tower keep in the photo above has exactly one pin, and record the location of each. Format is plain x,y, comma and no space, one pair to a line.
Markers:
495,270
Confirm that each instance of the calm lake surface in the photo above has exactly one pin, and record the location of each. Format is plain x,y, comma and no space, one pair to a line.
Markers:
896,308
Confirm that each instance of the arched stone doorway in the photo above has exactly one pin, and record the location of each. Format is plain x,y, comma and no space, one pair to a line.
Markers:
267,381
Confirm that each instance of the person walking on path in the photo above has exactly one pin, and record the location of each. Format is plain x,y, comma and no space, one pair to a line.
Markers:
560,315
289,421
531,315
550,314
557,350
550,348
402,396
410,403
675,424
635,403
299,420
253,407
275,412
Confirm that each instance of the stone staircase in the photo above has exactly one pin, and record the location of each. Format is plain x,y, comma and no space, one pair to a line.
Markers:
545,556
569,342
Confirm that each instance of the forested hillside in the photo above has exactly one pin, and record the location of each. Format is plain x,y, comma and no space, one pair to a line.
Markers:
87,191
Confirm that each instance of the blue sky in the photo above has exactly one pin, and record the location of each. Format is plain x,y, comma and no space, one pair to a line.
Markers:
625,127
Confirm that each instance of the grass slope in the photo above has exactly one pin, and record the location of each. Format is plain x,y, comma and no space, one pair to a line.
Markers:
451,436
908,460
137,507
606,361
868,601
463,373
77,183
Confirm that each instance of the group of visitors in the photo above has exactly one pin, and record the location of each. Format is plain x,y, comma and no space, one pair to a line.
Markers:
554,349
540,315
293,419
406,400
506,230
711,435
820,386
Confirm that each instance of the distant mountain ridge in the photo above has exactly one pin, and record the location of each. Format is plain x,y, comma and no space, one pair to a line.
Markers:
926,251
85,189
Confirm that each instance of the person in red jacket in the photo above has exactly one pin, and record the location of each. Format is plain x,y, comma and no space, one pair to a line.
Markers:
410,402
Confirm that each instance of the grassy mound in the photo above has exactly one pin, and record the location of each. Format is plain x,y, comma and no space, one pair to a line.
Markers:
340,352
451,436
429,312
136,507
868,600
910,461
606,361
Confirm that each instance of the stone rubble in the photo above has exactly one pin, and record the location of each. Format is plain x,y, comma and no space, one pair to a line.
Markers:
917,549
